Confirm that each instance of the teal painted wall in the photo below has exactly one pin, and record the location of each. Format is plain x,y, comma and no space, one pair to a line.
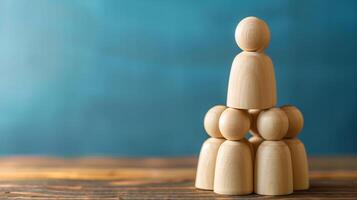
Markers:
136,77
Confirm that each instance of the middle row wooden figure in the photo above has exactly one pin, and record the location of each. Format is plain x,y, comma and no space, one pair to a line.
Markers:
265,164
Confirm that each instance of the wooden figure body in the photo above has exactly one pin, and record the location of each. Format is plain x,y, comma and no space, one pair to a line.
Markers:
234,169
273,169
207,163
251,148
299,164
251,82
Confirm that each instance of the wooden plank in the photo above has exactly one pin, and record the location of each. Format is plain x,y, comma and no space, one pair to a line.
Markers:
148,178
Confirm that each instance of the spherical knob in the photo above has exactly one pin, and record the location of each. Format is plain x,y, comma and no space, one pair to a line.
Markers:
273,124
252,34
296,120
211,121
234,124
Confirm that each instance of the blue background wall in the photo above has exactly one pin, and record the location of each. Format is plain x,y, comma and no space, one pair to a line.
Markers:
136,77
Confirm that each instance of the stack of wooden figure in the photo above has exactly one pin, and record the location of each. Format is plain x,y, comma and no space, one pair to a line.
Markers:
273,161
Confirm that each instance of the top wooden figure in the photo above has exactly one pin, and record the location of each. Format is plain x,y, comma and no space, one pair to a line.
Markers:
252,77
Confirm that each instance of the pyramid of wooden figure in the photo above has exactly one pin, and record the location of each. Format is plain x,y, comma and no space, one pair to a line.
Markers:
227,166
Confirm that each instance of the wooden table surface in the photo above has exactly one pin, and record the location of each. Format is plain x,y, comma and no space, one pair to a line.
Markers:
148,178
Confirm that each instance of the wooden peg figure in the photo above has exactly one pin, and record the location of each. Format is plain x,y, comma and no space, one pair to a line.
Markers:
252,79
297,148
207,158
234,165
273,166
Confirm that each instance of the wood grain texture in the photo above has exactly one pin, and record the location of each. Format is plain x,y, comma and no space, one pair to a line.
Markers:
207,163
149,178
234,169
251,82
273,172
299,163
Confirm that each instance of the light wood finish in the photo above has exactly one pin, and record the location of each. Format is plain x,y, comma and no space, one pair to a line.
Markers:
253,114
108,178
296,120
211,121
207,163
234,123
273,169
299,163
234,170
272,124
255,141
252,34
251,148
251,82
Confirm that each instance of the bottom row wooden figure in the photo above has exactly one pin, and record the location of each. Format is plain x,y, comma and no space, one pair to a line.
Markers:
270,166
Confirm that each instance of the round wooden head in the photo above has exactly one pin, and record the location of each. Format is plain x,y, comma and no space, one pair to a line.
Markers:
296,120
211,121
273,124
252,34
234,124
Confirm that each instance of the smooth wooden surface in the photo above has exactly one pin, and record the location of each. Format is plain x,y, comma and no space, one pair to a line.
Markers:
252,34
299,163
295,118
251,82
273,124
234,124
207,163
149,178
273,173
211,121
234,169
